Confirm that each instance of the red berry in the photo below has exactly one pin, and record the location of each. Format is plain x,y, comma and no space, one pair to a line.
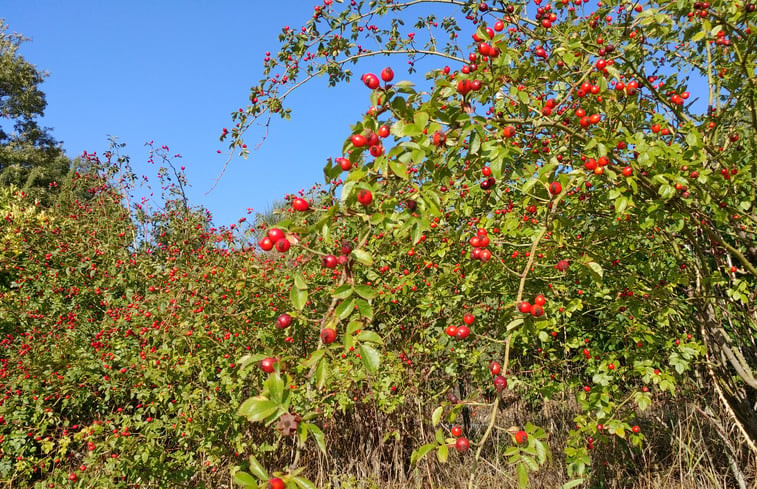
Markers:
267,365
283,245
328,335
275,483
275,234
387,74
329,261
494,368
371,81
283,321
462,332
521,437
358,140
462,444
365,197
464,86
300,204
266,244
344,163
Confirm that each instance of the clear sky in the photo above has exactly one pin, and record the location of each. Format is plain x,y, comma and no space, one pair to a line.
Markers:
172,72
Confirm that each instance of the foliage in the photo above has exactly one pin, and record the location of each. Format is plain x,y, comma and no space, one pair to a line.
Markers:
29,156
570,144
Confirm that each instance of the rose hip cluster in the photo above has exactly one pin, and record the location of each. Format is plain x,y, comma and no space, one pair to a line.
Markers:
479,242
536,310
275,238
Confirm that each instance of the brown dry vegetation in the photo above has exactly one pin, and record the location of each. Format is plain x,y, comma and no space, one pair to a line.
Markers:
688,446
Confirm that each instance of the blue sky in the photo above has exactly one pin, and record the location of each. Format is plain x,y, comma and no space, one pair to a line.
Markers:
172,72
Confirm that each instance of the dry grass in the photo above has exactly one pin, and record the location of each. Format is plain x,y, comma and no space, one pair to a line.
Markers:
686,449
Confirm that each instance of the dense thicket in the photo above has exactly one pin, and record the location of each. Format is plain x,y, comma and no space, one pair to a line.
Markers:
541,269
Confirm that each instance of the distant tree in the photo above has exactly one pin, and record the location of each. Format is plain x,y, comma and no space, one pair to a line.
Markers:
29,155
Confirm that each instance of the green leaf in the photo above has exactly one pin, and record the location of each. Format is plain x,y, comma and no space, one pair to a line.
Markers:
620,204
365,309
299,283
257,408
257,469
363,257
436,416
514,324
353,326
366,292
522,475
415,233
693,138
370,336
331,171
442,453
371,358
572,484
531,463
398,168
432,203
528,185
596,270
319,437
342,292
298,297
303,483
523,96
321,373
541,451
410,130
475,144
439,437
345,308
666,192
643,401
421,119
347,190
315,357
421,452
245,480
274,387
348,342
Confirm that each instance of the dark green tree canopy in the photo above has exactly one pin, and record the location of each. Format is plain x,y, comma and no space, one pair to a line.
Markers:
29,155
